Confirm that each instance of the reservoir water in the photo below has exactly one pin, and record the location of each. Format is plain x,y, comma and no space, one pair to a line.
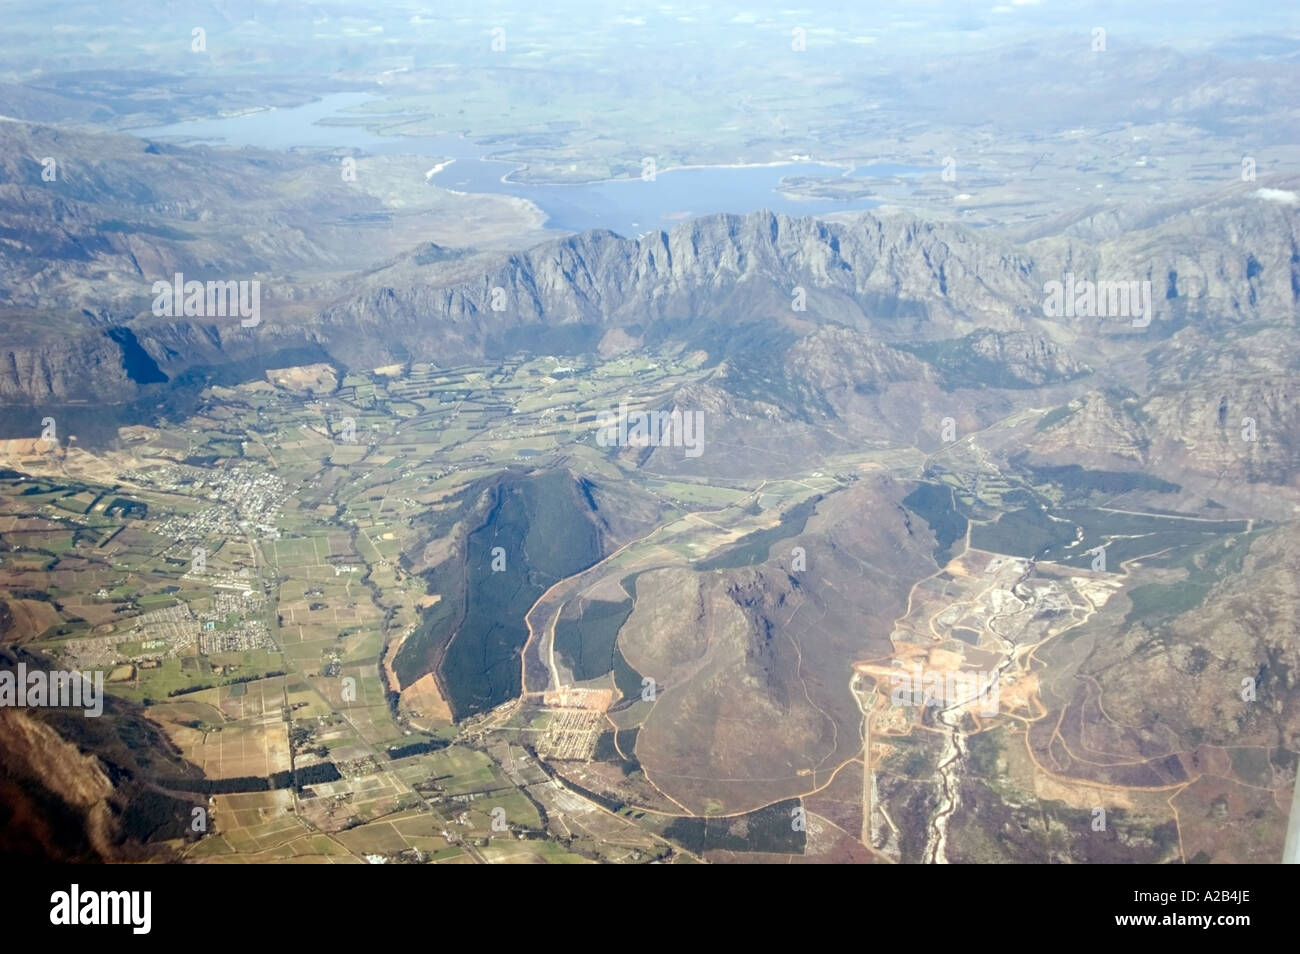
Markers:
626,206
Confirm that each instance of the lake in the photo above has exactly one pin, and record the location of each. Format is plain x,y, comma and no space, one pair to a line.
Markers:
626,206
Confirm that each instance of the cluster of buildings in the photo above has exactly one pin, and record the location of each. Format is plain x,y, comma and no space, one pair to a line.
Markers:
245,499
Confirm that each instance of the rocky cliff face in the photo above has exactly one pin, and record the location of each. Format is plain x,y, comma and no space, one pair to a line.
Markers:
892,277
872,269
878,322
1027,358
1232,260
897,278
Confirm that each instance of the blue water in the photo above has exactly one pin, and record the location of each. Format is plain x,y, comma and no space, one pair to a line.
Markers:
626,206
